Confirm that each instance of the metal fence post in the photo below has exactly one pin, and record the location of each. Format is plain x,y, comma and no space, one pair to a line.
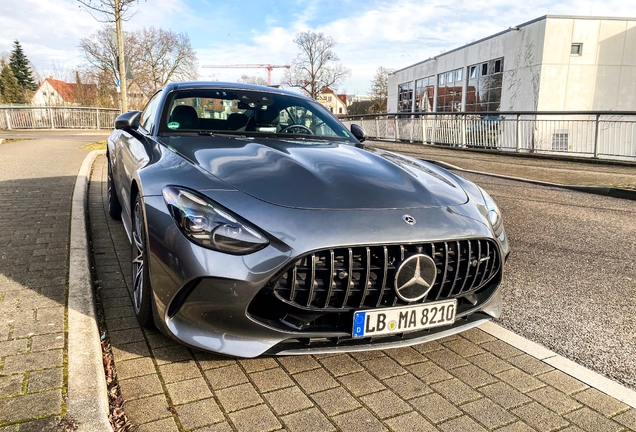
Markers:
97,118
6,117
596,133
377,127
518,139
463,126
52,118
395,128
423,120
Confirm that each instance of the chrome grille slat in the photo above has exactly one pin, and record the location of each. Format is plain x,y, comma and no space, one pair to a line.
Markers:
315,281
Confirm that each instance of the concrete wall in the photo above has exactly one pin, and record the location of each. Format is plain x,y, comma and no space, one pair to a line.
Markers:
603,77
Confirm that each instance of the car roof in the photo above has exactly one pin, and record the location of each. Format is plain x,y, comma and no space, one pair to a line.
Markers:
216,85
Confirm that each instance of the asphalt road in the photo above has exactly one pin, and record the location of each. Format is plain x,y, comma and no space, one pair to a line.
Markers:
570,282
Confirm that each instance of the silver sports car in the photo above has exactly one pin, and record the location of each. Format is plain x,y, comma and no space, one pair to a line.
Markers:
260,225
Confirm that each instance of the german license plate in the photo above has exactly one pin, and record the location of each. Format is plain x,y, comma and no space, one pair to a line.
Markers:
377,322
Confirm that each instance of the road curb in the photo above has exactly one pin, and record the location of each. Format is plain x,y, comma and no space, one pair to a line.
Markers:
575,370
87,392
597,190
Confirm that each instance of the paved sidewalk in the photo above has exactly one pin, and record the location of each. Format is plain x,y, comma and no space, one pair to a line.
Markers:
36,185
468,382
532,168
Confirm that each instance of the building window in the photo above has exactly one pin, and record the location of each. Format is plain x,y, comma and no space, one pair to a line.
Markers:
405,97
483,92
340,110
576,49
449,91
424,93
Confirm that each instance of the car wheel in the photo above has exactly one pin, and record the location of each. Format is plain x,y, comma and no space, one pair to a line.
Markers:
139,267
114,207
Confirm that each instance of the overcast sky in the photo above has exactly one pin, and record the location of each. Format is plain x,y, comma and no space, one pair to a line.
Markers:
369,33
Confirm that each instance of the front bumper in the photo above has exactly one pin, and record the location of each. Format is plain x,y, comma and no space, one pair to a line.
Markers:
202,298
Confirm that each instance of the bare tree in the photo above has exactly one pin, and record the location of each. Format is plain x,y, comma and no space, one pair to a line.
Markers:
380,88
114,11
316,66
247,79
163,56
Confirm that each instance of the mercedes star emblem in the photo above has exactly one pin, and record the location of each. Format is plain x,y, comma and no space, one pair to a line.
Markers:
415,277
409,219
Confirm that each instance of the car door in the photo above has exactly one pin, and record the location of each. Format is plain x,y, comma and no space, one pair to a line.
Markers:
133,154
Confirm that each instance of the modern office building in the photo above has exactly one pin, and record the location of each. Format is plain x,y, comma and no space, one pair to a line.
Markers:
552,63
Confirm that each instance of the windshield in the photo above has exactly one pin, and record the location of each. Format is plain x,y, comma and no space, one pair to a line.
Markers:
249,113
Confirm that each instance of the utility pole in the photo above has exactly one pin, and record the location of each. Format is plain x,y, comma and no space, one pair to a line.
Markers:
122,58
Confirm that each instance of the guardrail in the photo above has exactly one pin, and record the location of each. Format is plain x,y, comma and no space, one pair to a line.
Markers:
606,134
57,118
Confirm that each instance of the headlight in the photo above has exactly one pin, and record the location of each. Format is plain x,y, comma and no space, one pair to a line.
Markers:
211,225
494,215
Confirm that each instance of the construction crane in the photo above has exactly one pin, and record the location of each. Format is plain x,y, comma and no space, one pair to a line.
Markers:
269,68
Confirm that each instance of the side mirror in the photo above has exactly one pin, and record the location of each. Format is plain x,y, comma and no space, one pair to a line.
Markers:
358,132
128,120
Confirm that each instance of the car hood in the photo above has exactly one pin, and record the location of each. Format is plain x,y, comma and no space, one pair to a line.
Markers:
319,174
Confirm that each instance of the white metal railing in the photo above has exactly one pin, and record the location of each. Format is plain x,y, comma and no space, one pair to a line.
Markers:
57,118
606,134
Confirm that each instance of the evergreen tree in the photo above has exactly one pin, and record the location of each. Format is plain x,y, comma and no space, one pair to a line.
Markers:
9,87
21,70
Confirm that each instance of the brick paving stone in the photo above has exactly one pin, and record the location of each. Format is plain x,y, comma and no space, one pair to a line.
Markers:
271,379
335,401
539,417
310,420
476,335
456,391
45,379
225,376
435,408
464,347
135,388
171,354
47,342
530,364
516,427
410,422
182,392
473,376
366,355
599,401
158,341
406,355
218,427
165,425
130,351
488,413
255,419
173,372
135,367
121,337
505,395
446,358
383,367
32,361
361,383
239,397
429,372
407,386
258,364
385,404
360,420
341,364
208,360
501,349
520,380
592,421
562,381
295,364
201,413
627,419
121,323
45,424
552,398
289,400
461,424
13,347
490,363
30,406
147,409
315,380
428,347
11,385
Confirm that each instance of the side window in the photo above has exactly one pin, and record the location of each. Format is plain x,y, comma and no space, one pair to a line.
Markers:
147,120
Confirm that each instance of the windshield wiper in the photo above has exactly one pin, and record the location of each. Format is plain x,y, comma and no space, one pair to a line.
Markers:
214,133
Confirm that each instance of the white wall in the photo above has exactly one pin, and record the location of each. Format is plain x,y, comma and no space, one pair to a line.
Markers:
46,95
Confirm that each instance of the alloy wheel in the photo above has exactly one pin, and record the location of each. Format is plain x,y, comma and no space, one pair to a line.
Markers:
138,252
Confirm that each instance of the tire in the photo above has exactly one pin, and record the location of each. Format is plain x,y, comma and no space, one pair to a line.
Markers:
139,267
114,207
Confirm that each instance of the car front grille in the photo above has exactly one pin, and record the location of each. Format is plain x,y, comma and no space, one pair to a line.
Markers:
363,277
